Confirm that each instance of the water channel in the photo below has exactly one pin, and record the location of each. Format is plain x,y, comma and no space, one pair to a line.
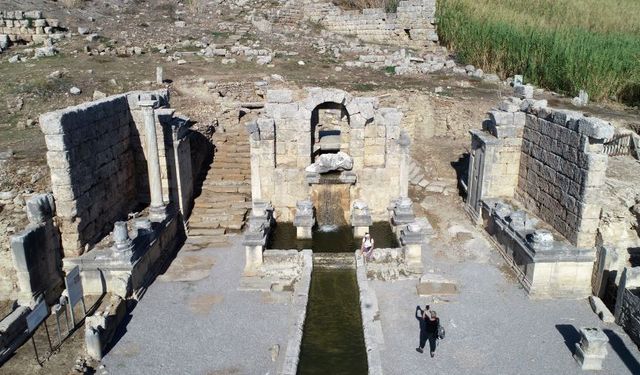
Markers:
333,341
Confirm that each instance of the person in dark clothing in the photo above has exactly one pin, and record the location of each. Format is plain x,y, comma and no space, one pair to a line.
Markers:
429,323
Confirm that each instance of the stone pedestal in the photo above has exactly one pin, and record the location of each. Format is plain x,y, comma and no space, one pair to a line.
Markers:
304,219
255,238
591,350
360,218
401,212
123,245
411,239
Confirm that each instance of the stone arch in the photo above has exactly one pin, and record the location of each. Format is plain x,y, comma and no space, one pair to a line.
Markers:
330,127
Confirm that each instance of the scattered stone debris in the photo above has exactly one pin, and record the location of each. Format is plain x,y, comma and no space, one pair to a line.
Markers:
75,91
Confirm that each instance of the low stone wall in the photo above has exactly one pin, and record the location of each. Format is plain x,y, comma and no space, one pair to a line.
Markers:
104,270
299,309
413,24
371,324
547,267
25,27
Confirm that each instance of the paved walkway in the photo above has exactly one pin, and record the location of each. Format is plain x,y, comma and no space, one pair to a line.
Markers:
193,320
492,327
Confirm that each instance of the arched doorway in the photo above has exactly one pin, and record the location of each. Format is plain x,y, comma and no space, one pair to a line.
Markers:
330,129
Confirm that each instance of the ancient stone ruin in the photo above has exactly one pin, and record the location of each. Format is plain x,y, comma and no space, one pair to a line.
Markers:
18,27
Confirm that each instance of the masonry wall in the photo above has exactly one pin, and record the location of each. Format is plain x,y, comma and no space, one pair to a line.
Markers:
90,155
630,314
413,23
36,254
281,149
562,169
24,27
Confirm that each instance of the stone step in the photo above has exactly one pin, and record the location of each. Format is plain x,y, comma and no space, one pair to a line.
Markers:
211,198
334,260
222,189
213,182
414,180
210,211
206,231
210,241
213,219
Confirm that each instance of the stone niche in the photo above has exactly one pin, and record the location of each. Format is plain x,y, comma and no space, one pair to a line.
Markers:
300,128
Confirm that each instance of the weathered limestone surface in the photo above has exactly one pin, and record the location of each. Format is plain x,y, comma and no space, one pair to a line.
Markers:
370,136
97,157
413,23
550,160
24,27
628,303
562,170
36,252
91,159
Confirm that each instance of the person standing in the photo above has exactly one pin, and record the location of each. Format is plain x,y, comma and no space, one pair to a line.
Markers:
428,330
367,246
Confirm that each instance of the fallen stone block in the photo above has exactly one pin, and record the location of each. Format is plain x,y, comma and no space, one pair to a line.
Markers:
432,284
601,310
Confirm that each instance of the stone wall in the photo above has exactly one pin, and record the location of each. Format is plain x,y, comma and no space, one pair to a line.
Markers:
25,27
37,251
97,156
562,170
627,309
413,24
281,150
91,157
552,161
630,313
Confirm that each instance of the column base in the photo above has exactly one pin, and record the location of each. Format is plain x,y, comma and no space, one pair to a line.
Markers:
253,259
304,233
360,231
157,213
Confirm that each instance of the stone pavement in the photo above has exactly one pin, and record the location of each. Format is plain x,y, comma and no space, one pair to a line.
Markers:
193,320
492,327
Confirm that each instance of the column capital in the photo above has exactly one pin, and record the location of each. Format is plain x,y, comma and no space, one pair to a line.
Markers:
147,103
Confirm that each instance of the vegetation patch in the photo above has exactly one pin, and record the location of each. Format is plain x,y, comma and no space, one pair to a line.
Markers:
563,45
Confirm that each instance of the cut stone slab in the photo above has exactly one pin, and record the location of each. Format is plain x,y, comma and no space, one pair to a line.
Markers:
601,309
423,183
433,284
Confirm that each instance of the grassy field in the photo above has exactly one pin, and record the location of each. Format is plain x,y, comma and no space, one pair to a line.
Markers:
562,45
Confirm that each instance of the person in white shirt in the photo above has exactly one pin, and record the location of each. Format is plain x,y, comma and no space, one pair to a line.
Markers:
367,246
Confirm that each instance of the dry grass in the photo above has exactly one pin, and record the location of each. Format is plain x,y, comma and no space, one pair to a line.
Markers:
72,3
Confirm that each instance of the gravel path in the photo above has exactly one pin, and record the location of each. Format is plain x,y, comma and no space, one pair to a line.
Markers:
492,327
201,323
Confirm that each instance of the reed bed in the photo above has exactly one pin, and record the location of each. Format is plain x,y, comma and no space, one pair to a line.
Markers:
562,45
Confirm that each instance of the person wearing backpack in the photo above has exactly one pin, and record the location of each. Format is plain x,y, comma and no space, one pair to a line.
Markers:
430,330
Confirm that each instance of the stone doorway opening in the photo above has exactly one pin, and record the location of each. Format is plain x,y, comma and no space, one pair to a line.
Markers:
330,129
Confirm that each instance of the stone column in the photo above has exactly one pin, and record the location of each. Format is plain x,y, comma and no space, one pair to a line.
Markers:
256,189
404,143
157,209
